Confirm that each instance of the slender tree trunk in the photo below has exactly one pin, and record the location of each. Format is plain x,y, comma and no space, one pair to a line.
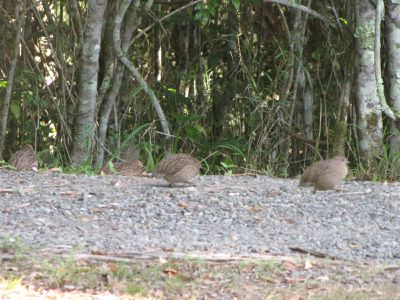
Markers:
157,53
297,44
107,60
369,117
10,77
131,24
3,42
184,53
200,92
341,123
307,106
223,103
377,62
393,56
85,113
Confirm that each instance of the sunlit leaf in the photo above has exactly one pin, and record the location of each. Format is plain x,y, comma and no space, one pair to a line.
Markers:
344,21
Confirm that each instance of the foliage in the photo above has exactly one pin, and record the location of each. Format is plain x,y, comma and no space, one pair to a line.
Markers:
226,74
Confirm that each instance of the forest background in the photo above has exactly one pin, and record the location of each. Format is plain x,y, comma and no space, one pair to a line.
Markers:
249,86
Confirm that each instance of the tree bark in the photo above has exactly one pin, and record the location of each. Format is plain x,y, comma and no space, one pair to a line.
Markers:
339,139
85,113
307,106
369,117
393,57
378,73
10,77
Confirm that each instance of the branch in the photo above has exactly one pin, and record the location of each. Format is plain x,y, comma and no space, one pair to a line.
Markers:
142,32
132,257
299,7
124,60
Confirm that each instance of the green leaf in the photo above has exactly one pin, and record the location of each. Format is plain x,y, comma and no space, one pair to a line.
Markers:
150,159
180,118
3,83
15,109
131,136
200,129
111,166
344,21
316,55
172,90
236,3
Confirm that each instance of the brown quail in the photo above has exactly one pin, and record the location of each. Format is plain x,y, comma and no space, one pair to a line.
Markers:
325,174
24,159
178,168
132,168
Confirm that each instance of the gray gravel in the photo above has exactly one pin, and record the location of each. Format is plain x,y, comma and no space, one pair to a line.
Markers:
231,215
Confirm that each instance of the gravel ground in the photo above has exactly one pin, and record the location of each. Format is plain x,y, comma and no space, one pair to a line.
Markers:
231,215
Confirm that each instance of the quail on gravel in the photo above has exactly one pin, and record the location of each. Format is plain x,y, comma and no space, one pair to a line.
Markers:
325,174
178,168
131,168
24,159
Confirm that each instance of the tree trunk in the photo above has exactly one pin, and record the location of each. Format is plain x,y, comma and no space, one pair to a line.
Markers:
393,63
339,139
132,22
157,53
224,101
307,106
184,55
369,117
85,113
10,77
3,42
297,43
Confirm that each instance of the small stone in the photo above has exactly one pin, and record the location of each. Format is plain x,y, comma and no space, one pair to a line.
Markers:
69,287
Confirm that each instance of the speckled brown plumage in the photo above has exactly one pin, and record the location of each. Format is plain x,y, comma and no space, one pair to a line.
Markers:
178,168
132,168
325,174
24,159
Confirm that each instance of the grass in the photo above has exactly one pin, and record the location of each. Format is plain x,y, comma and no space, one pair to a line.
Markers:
11,283
170,278
187,279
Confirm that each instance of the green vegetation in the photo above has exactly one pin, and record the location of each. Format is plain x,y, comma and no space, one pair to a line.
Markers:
240,86
195,279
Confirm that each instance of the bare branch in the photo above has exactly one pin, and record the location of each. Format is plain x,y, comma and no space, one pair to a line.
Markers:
303,8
